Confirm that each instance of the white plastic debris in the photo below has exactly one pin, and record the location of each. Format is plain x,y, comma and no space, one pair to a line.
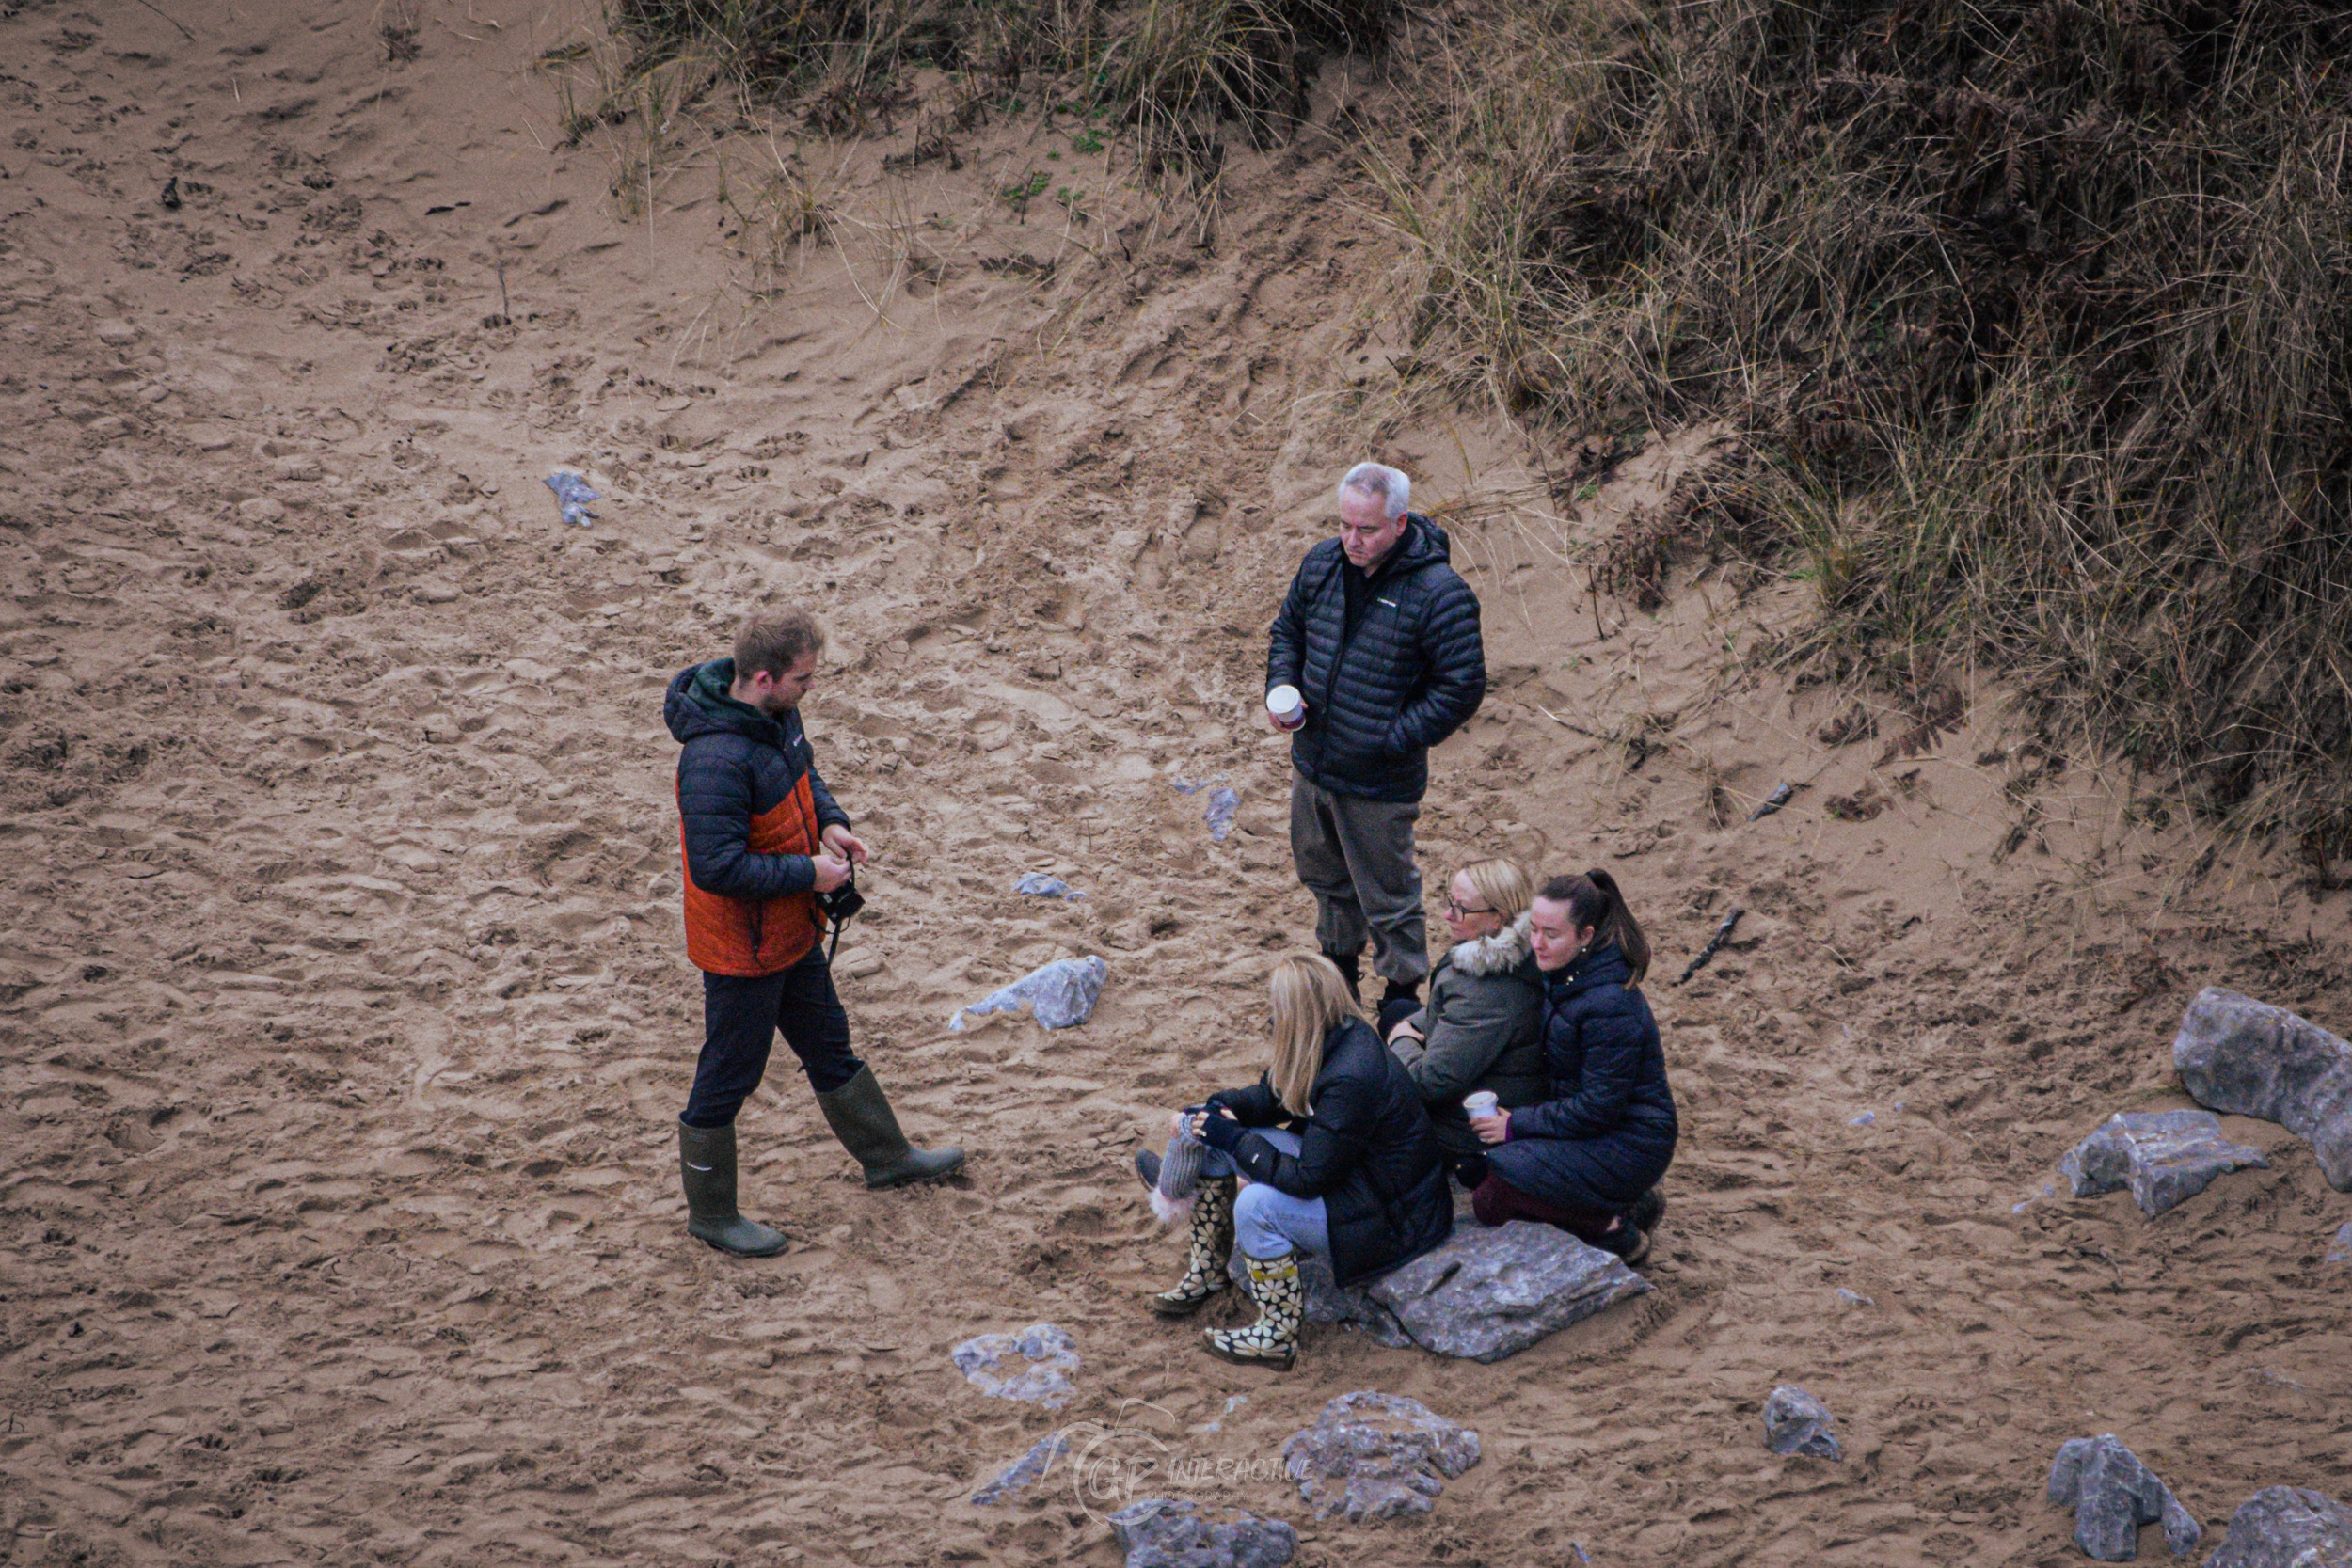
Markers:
1040,885
1060,995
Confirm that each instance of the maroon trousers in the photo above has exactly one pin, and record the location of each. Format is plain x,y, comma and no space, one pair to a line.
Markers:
1496,1200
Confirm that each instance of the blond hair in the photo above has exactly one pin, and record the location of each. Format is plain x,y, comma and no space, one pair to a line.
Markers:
1309,1001
1504,885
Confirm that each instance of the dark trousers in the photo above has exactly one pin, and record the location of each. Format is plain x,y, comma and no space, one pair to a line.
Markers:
1496,1200
739,1022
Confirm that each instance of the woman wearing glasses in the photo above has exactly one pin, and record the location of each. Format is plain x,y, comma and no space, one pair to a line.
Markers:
1482,1027
1587,1158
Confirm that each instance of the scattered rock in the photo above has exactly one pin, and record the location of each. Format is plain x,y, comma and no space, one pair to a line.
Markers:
2341,1252
2165,1157
2251,1059
259,509
2112,1494
1158,1533
1485,1294
1223,806
1796,1422
572,495
1060,995
1377,1456
1033,1365
1025,1471
118,333
435,591
2284,1526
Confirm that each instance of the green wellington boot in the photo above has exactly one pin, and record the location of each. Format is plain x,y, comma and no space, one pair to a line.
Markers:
706,1167
862,1120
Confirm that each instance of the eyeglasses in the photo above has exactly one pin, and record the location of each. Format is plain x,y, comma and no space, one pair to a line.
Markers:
1456,907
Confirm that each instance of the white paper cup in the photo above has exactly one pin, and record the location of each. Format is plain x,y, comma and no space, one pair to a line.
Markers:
1285,705
1483,1104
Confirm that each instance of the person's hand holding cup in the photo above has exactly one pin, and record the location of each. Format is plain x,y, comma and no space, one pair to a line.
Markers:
1484,1110
1285,709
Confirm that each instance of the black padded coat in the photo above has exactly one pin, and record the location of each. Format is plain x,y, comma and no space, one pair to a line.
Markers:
1412,673
1606,1131
1366,1149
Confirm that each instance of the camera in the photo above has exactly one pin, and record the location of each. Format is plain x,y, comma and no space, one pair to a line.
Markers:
842,902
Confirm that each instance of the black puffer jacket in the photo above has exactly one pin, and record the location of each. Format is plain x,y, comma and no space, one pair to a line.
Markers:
738,763
1609,1128
1413,672
1366,1149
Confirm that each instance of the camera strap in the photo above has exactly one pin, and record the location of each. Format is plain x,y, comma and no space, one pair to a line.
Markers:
836,921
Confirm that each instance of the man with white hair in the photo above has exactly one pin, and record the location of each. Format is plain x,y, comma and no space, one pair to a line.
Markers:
1379,637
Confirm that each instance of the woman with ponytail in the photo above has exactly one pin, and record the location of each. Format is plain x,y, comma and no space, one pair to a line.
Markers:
1588,1157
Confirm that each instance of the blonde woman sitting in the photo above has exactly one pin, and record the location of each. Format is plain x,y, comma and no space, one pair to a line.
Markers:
1331,1153
1482,1029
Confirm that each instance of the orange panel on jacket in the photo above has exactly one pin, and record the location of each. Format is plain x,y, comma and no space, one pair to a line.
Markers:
749,937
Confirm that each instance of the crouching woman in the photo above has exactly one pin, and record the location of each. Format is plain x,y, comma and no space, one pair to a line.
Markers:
1484,1027
1332,1154
1589,1156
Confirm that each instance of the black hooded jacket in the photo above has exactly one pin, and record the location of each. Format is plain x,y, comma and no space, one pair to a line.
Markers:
1411,670
1366,1149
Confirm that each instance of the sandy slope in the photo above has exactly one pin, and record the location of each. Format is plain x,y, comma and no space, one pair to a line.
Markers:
345,1014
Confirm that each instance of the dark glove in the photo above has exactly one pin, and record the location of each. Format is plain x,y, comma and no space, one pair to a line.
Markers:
1222,1133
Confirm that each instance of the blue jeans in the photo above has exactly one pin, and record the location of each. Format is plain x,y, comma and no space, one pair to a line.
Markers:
1267,1222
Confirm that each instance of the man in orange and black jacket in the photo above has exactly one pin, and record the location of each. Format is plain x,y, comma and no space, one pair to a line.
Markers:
762,838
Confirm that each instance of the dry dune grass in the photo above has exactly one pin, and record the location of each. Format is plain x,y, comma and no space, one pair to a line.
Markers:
2035,313
1172,71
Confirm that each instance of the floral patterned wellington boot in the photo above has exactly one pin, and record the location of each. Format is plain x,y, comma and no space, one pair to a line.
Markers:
1272,1339
1211,1246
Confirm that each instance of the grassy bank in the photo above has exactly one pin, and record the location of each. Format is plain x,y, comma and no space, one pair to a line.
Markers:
2037,315
1175,74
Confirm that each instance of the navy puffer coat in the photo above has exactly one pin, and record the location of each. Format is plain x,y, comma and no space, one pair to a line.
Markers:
751,813
1366,1149
1607,1133
1413,672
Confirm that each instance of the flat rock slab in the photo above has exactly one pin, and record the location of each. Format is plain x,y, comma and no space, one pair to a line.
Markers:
1485,1294
2251,1059
2284,1526
1376,1456
2112,1494
1160,1534
2165,1157
1025,1471
1033,1365
1796,1422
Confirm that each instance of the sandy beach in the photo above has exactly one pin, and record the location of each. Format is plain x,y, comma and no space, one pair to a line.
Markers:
344,1012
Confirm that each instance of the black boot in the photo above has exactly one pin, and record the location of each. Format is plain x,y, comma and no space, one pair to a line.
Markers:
860,1118
705,1159
1468,1169
1647,1209
1401,1002
1351,967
